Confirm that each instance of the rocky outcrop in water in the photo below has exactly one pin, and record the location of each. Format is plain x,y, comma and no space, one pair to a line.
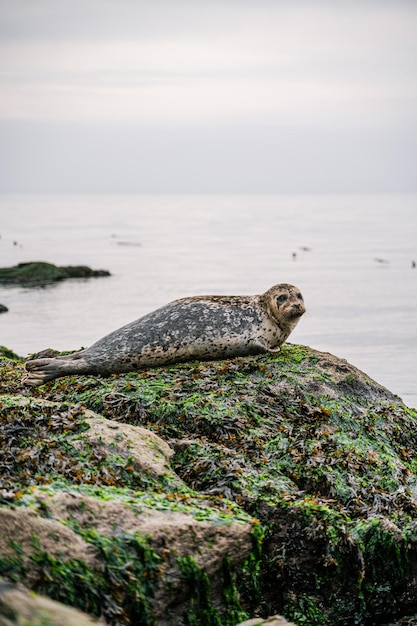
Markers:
40,273
210,493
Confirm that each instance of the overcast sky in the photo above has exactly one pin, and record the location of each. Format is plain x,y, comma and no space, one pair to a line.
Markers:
208,96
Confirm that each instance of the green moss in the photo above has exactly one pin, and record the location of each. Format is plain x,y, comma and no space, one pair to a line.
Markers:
306,611
201,609
72,582
201,507
9,354
121,591
123,588
312,448
248,580
12,567
382,578
242,426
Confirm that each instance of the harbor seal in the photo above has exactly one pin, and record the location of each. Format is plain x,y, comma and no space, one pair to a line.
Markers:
195,328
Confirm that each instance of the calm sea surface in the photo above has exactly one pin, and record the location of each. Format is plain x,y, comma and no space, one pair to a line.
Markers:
159,248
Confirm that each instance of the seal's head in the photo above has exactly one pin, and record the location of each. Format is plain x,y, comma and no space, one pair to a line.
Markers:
285,304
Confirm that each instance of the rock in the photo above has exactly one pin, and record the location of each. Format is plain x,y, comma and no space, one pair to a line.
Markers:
21,607
82,271
36,273
88,534
148,453
24,533
170,536
207,493
9,354
3,308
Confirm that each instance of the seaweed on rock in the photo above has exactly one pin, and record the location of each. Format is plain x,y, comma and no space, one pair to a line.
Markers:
301,451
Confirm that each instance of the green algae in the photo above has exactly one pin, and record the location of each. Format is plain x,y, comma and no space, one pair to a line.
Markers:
385,559
121,591
123,588
303,441
9,354
314,450
240,592
217,511
201,609
39,443
306,611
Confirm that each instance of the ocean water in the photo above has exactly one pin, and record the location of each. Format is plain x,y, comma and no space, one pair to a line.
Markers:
350,255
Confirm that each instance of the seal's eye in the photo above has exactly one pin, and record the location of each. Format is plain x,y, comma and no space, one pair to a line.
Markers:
281,299
299,296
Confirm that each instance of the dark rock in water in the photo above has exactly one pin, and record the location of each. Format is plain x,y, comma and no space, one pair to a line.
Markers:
3,309
82,271
208,493
40,273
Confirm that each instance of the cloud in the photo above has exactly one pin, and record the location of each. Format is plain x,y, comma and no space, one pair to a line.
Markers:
314,68
193,79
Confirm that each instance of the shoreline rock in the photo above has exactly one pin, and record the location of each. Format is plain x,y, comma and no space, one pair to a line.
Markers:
210,493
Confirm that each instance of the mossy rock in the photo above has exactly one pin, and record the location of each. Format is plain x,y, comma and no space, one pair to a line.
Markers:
36,273
9,354
21,607
91,514
322,456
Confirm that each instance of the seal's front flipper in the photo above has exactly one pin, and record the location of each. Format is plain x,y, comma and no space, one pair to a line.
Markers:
264,348
278,349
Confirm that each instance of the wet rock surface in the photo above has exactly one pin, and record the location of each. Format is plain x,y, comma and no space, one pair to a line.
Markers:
211,493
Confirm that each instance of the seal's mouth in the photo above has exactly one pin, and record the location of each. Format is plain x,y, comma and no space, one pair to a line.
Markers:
295,314
297,310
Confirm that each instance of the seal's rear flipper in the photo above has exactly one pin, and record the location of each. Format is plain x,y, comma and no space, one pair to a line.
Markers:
40,371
